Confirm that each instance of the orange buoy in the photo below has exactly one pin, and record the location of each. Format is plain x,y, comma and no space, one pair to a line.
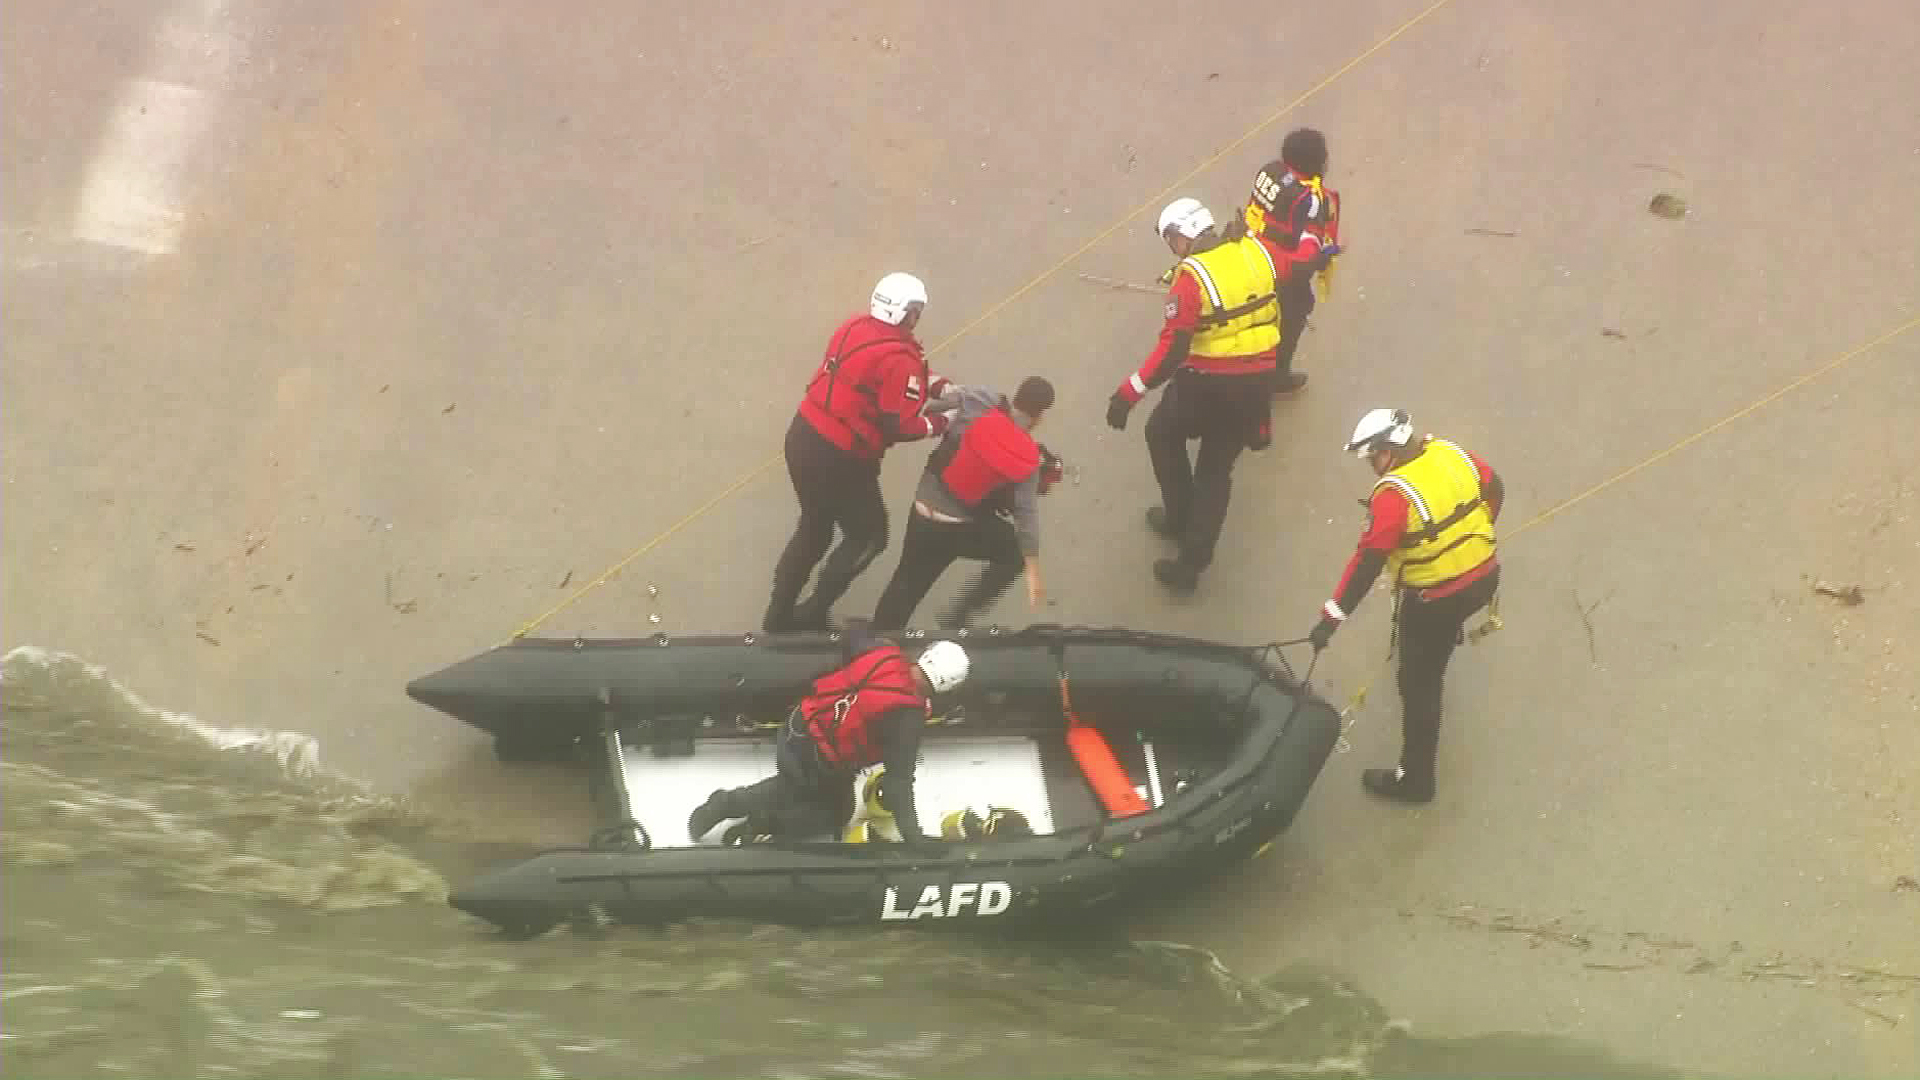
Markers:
1103,771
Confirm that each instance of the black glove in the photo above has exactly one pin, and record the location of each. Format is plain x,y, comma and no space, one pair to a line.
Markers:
1117,409
1323,632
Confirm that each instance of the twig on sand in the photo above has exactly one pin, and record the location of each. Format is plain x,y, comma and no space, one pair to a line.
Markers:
1507,924
1890,1021
1868,974
1586,610
1659,168
1115,283
1491,232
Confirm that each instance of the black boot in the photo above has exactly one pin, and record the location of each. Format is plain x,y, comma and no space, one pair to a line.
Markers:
1289,382
778,619
981,593
1397,785
1158,521
810,617
1176,575
718,808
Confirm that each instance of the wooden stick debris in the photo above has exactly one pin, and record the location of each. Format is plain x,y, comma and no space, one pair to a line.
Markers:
1890,1021
1115,283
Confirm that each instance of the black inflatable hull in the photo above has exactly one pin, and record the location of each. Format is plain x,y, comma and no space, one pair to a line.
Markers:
550,697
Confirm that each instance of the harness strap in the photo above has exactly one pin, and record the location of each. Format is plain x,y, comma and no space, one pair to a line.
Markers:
1232,313
1435,528
1463,538
832,368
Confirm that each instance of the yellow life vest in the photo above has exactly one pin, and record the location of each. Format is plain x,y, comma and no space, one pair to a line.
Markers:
870,820
1449,530
1239,311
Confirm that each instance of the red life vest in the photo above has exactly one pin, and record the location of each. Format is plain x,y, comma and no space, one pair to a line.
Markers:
980,468
843,704
843,398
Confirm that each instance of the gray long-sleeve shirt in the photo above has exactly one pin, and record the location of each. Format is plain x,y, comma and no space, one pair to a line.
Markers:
973,403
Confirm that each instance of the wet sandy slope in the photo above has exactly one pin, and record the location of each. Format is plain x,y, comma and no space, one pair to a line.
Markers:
457,307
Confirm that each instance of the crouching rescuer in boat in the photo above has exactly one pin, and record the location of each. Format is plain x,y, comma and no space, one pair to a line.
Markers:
870,710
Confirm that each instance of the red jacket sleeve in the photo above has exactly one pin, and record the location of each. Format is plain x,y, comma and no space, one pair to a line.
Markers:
1176,337
1386,521
903,394
1492,488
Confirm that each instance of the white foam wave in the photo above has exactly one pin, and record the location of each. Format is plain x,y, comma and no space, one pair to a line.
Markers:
298,754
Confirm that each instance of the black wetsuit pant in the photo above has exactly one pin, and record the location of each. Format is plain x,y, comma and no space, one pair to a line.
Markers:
1223,412
1428,631
932,546
834,490
802,798
1296,303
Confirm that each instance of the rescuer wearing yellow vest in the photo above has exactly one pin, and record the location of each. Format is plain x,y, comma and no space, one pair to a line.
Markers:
1216,350
1430,525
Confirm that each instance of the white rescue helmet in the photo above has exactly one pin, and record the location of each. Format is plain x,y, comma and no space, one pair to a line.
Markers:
1186,215
945,664
1380,425
894,295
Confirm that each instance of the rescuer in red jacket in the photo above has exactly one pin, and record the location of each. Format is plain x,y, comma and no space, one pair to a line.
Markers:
869,392
870,710
978,499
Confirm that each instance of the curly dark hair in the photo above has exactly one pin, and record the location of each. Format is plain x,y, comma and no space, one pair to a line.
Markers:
1034,397
1305,151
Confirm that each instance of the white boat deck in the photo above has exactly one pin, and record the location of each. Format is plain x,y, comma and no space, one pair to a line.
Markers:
955,771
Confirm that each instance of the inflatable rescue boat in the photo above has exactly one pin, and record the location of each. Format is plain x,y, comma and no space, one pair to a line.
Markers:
1074,768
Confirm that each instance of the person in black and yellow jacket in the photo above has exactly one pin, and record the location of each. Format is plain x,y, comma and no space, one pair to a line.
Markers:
1294,213
1216,349
1430,524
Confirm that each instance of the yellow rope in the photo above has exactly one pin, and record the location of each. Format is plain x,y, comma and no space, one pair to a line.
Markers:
644,548
1360,695
1023,290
